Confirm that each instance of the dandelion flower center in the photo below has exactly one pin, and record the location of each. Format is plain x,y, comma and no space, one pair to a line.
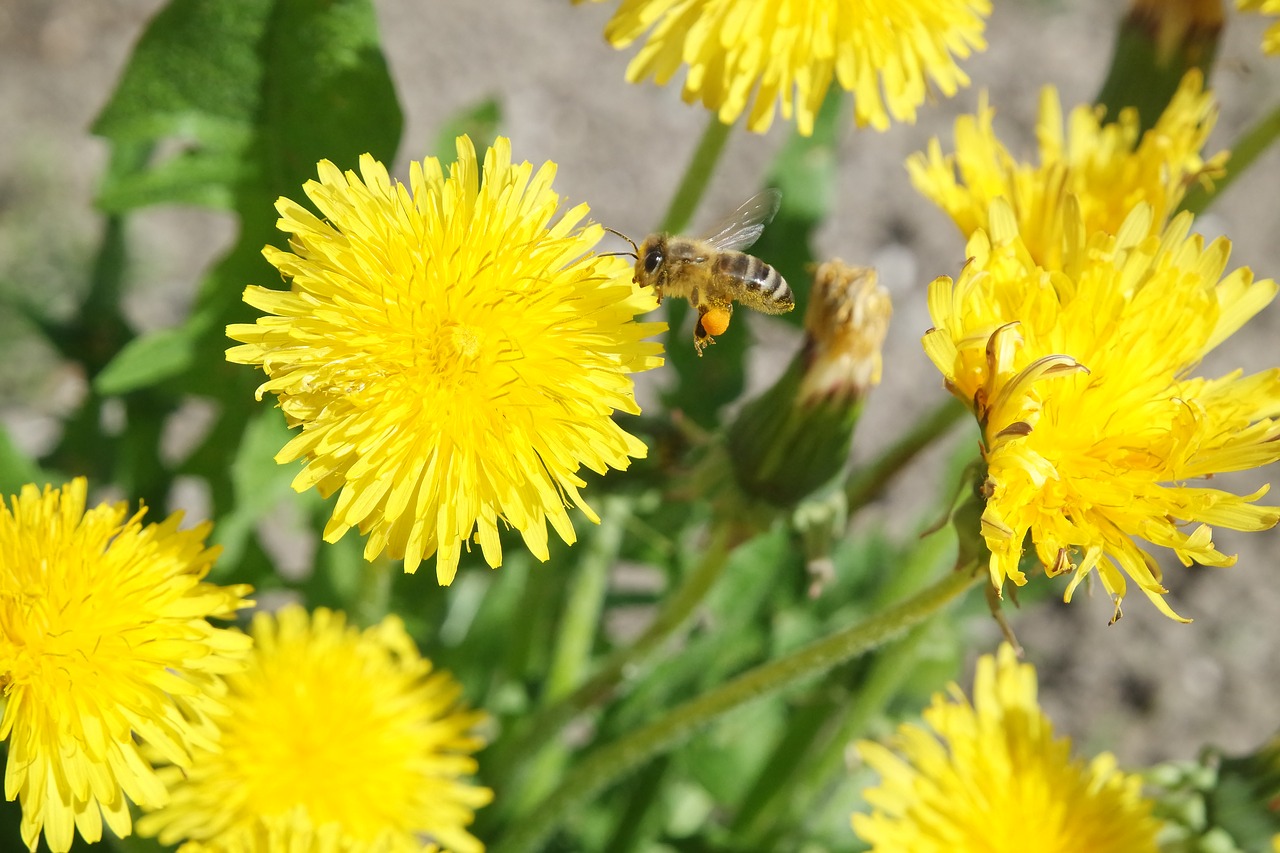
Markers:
464,343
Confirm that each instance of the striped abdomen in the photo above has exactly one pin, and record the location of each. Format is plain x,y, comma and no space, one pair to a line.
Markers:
753,282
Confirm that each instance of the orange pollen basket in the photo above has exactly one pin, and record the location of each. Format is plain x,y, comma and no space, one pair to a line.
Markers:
715,321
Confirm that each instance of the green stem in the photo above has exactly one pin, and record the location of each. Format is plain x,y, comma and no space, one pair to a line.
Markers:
606,765
575,635
1249,148
696,177
865,483
623,662
581,617
894,664
795,779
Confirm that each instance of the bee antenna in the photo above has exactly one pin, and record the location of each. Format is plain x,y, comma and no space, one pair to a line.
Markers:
635,253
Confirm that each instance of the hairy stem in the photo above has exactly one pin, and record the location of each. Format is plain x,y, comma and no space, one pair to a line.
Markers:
609,763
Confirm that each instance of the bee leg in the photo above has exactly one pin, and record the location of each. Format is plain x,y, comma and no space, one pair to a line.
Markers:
701,339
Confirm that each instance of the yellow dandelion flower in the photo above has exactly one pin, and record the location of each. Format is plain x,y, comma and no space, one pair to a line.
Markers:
990,777
1271,38
294,832
452,356
103,645
1081,380
333,734
765,52
1110,168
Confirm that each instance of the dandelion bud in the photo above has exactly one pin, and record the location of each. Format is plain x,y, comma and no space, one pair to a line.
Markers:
1233,801
1159,42
795,438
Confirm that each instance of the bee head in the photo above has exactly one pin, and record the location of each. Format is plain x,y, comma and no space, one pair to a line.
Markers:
650,259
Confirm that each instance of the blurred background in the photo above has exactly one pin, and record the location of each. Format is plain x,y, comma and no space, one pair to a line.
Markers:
1147,688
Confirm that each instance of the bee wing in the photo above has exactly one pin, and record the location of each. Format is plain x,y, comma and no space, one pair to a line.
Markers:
745,225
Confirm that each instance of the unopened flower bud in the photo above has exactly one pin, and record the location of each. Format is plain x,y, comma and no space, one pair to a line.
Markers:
795,438
1158,43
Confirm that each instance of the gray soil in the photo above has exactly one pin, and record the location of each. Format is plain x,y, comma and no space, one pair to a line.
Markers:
1147,688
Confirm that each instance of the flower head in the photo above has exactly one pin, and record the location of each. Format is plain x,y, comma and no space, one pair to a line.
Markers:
762,52
334,735
1081,381
1271,39
1109,168
103,645
453,356
990,777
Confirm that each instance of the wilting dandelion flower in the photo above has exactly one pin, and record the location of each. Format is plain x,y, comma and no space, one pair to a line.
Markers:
334,735
452,355
103,646
758,53
1271,39
990,777
1109,168
1093,426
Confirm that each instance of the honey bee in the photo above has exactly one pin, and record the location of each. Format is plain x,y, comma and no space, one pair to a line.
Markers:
711,271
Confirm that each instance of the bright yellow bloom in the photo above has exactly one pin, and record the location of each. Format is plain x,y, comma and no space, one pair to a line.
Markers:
452,356
1271,39
887,52
990,777
334,734
294,832
103,644
1092,422
1109,168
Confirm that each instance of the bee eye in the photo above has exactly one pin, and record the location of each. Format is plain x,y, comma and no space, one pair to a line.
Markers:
652,261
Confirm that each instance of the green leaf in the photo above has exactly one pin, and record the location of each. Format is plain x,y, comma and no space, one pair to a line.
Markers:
243,97
202,176
728,755
195,78
480,121
758,568
259,483
240,100
16,468
150,359
327,92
